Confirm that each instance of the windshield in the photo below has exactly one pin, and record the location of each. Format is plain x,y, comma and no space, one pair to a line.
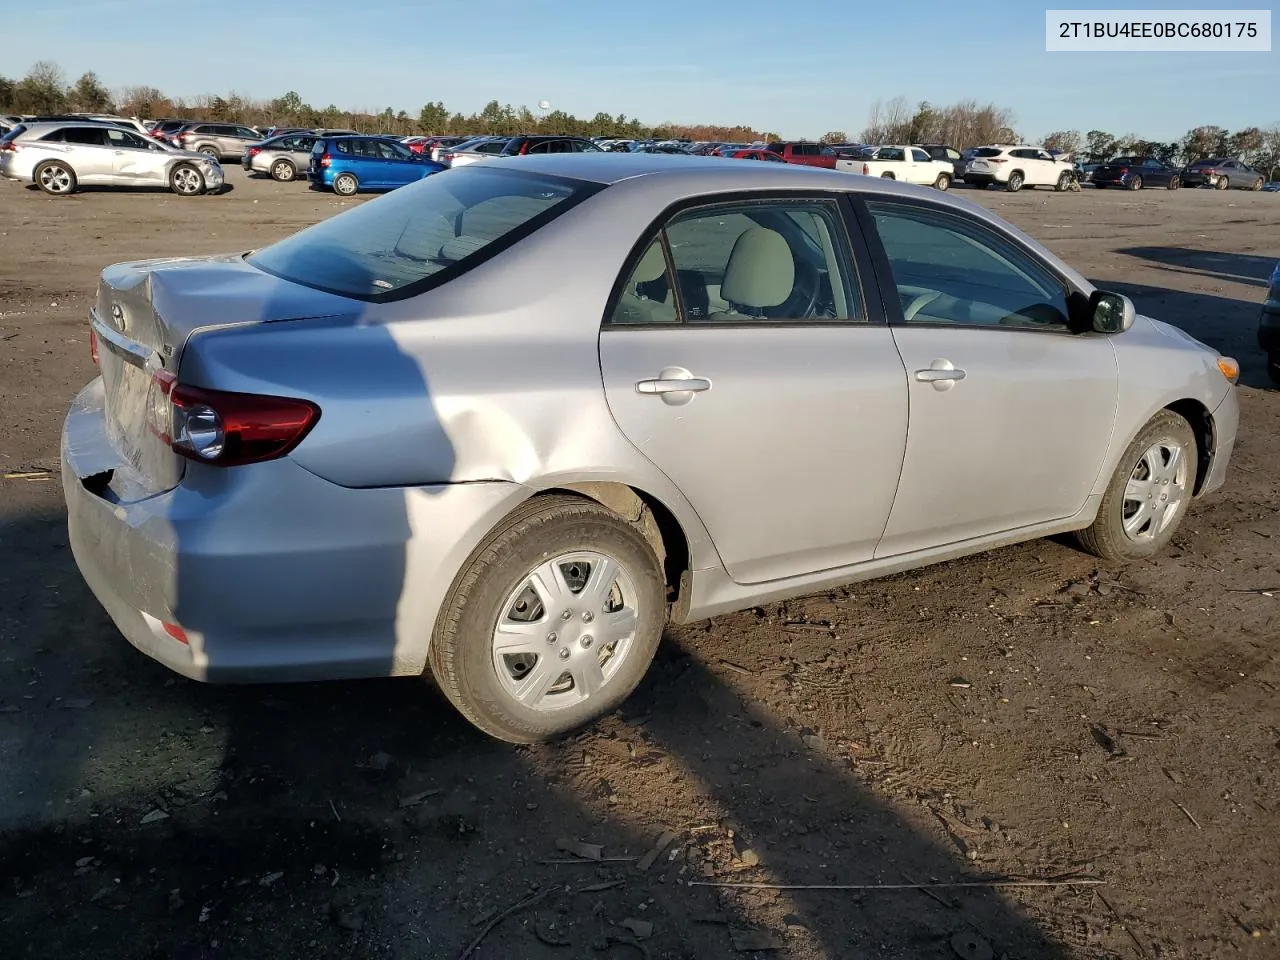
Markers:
432,230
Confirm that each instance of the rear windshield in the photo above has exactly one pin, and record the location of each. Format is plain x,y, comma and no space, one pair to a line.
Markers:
12,134
422,234
988,152
1206,163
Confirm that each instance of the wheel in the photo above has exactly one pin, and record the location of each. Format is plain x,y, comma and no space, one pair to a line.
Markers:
1064,182
1174,183
1148,494
887,176
943,182
552,622
186,180
345,184
1135,183
283,170
211,152
1015,182
1273,368
1222,184
55,177
1257,185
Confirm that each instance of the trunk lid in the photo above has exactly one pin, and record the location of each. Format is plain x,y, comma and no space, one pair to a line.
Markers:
144,315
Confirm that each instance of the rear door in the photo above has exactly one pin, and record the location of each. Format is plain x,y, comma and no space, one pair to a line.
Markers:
746,356
1011,412
90,156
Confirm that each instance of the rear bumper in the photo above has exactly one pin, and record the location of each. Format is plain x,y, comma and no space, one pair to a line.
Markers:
273,573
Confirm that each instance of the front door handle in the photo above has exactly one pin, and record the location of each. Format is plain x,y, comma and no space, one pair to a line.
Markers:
943,374
675,385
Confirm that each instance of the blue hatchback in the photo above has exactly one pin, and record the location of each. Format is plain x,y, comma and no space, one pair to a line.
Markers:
348,165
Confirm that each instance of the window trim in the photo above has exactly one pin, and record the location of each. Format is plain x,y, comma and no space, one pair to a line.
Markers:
863,282
1076,298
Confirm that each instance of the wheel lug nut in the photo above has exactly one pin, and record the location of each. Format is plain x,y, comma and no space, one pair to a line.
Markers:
586,641
551,638
566,615
564,653
587,616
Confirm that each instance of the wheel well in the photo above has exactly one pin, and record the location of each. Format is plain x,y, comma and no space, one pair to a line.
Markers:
651,517
1196,414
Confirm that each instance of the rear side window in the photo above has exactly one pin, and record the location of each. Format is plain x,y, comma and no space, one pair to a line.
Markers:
86,136
421,235
318,147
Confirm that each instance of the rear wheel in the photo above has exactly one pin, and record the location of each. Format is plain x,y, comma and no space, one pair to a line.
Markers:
55,177
943,182
186,180
210,151
1015,182
283,171
1149,492
552,623
345,184
1135,183
1222,184
1175,183
1257,184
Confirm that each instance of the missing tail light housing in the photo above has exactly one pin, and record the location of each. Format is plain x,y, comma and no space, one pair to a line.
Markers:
227,429
93,346
325,159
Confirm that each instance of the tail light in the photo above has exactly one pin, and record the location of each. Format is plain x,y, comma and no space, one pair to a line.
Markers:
999,159
93,345
227,429
325,159
1123,171
446,157
9,146
866,168
254,151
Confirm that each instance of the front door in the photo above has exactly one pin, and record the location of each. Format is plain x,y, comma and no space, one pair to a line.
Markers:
1011,412
135,161
744,361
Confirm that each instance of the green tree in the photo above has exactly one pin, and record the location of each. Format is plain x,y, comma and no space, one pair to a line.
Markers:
1200,143
433,118
1246,143
90,96
42,90
289,107
1063,141
835,136
1100,146
7,90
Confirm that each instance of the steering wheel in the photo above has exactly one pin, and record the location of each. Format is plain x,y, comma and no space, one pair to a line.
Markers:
804,295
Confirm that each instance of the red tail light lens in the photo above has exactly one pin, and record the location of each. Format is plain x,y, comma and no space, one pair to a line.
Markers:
8,145
254,151
226,429
325,160
999,159
866,168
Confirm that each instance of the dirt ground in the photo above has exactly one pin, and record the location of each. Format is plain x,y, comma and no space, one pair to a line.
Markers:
1024,713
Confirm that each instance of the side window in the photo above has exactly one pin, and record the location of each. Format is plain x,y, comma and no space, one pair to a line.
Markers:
86,136
763,262
387,151
919,156
123,138
951,270
247,133
648,296
343,146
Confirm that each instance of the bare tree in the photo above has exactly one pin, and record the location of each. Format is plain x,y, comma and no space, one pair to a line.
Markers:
835,136
1063,141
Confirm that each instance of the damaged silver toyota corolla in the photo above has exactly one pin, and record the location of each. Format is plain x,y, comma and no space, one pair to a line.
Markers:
507,422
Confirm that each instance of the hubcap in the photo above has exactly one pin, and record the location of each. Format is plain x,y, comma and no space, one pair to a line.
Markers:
565,631
55,179
1156,491
188,181
283,171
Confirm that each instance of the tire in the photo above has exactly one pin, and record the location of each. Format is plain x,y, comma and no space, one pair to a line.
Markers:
1273,368
943,182
55,178
1174,183
1064,182
283,171
346,185
210,151
1135,183
186,180
1107,537
1257,185
567,532
887,176
1224,183
1015,182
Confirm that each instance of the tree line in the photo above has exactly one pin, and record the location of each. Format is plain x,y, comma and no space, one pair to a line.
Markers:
45,89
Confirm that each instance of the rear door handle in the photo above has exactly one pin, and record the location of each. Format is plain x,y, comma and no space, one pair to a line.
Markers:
675,385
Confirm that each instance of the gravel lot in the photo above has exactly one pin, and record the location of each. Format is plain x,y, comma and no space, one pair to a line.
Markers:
1020,713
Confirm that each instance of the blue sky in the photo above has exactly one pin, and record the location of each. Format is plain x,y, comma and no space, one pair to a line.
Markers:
797,69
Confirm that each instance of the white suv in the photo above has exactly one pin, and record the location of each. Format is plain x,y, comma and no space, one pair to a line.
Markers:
1018,167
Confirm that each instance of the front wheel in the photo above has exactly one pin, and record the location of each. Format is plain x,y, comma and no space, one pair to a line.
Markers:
1064,182
185,180
56,177
1015,182
1149,492
345,184
887,176
943,182
1174,183
552,623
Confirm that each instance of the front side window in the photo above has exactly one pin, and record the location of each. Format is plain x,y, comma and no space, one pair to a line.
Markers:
743,263
123,138
919,156
424,233
950,269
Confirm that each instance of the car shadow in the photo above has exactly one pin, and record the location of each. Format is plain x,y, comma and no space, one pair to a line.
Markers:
227,187
1243,268
1228,325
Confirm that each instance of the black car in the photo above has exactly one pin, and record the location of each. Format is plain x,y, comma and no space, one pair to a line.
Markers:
1269,327
1222,173
519,146
1134,173
940,151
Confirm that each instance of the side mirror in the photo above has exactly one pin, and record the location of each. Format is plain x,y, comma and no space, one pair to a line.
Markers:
1111,312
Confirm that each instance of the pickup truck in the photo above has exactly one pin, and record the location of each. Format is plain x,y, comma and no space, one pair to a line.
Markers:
804,153
908,164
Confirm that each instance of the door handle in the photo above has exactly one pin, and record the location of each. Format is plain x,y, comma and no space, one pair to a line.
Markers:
942,373
675,385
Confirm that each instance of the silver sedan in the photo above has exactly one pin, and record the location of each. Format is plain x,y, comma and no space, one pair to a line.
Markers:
505,423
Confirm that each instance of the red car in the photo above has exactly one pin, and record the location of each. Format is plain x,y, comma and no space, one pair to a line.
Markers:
806,153
755,154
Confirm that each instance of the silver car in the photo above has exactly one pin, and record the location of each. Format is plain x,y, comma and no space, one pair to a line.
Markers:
283,158
60,157
506,423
